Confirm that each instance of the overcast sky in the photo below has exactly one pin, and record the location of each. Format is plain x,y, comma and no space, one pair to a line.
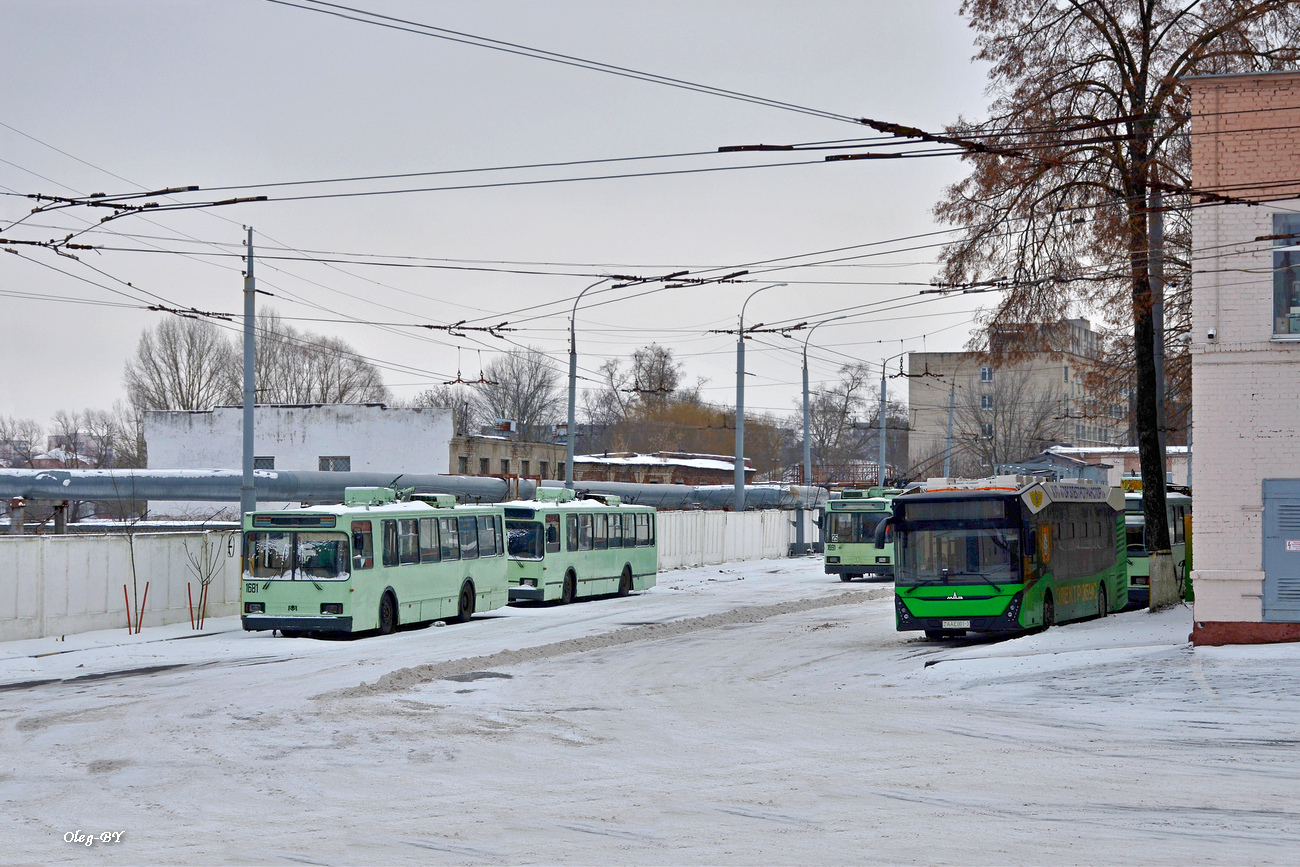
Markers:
122,96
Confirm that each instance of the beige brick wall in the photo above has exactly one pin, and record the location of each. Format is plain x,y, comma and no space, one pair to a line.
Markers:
1246,386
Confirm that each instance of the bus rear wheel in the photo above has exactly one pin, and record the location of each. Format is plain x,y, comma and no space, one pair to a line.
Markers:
465,607
1049,610
570,588
1103,604
846,577
387,614
625,582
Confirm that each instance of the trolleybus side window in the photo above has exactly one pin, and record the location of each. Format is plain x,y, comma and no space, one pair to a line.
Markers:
390,542
468,538
584,532
616,531
600,532
629,531
363,545
430,552
552,534
408,541
449,538
643,535
487,536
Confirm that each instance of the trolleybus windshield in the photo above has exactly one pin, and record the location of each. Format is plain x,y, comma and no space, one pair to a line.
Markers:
954,541
287,556
524,540
854,527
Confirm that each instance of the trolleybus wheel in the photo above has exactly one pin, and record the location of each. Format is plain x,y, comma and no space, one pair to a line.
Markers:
465,609
934,634
846,577
570,588
293,633
1103,604
387,614
1049,610
625,583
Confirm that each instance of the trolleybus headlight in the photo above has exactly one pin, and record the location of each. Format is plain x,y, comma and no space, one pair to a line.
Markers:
254,607
529,582
832,559
331,608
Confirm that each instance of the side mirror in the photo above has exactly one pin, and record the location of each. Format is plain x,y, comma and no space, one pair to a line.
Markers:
1031,543
881,530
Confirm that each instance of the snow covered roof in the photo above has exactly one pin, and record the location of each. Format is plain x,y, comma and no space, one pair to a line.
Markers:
1110,450
697,463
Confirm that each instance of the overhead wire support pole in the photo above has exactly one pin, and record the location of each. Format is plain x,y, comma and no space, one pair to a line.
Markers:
247,492
880,467
572,430
807,443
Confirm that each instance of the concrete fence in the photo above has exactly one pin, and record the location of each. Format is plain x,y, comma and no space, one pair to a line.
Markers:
62,585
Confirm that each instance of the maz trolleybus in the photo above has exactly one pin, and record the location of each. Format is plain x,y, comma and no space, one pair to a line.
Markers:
561,548
372,563
1006,554
849,530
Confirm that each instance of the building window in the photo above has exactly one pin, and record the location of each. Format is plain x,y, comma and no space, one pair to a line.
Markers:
484,469
523,468
264,462
1286,275
463,465
1067,373
541,468
505,466
559,471
986,401
336,464
986,374
986,431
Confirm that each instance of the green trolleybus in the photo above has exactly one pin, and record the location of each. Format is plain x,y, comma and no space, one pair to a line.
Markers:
1006,555
1139,557
849,531
372,563
561,548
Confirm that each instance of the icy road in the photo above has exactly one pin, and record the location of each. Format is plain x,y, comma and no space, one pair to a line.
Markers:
754,713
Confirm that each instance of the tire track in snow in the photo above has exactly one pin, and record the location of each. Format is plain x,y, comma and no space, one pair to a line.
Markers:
408,678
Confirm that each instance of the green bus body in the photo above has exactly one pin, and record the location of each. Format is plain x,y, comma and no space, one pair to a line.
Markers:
849,530
1007,560
1139,559
565,550
327,569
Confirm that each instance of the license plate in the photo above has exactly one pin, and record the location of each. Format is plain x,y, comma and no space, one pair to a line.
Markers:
956,624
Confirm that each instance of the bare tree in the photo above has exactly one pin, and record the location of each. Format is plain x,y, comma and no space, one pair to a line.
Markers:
182,364
451,397
835,413
1089,117
292,366
21,439
524,387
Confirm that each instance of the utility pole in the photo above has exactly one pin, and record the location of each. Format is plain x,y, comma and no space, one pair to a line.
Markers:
947,450
571,434
738,477
247,492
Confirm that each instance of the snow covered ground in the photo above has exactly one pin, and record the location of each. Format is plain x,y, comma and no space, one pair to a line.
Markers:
754,713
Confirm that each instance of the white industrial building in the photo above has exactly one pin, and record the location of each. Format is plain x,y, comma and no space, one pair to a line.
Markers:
311,437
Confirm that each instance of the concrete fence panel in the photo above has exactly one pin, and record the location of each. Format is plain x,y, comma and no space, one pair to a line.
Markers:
62,585
702,538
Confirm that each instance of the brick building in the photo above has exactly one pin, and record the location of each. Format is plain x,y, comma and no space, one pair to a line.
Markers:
1246,357
506,456
663,468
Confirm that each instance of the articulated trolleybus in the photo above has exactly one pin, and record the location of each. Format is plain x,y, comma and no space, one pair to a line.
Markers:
562,548
1006,554
372,563
849,530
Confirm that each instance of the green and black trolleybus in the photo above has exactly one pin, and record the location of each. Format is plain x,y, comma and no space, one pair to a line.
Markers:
372,563
1006,554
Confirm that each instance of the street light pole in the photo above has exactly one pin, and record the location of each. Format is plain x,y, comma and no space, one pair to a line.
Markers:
247,490
573,386
807,443
739,478
880,467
